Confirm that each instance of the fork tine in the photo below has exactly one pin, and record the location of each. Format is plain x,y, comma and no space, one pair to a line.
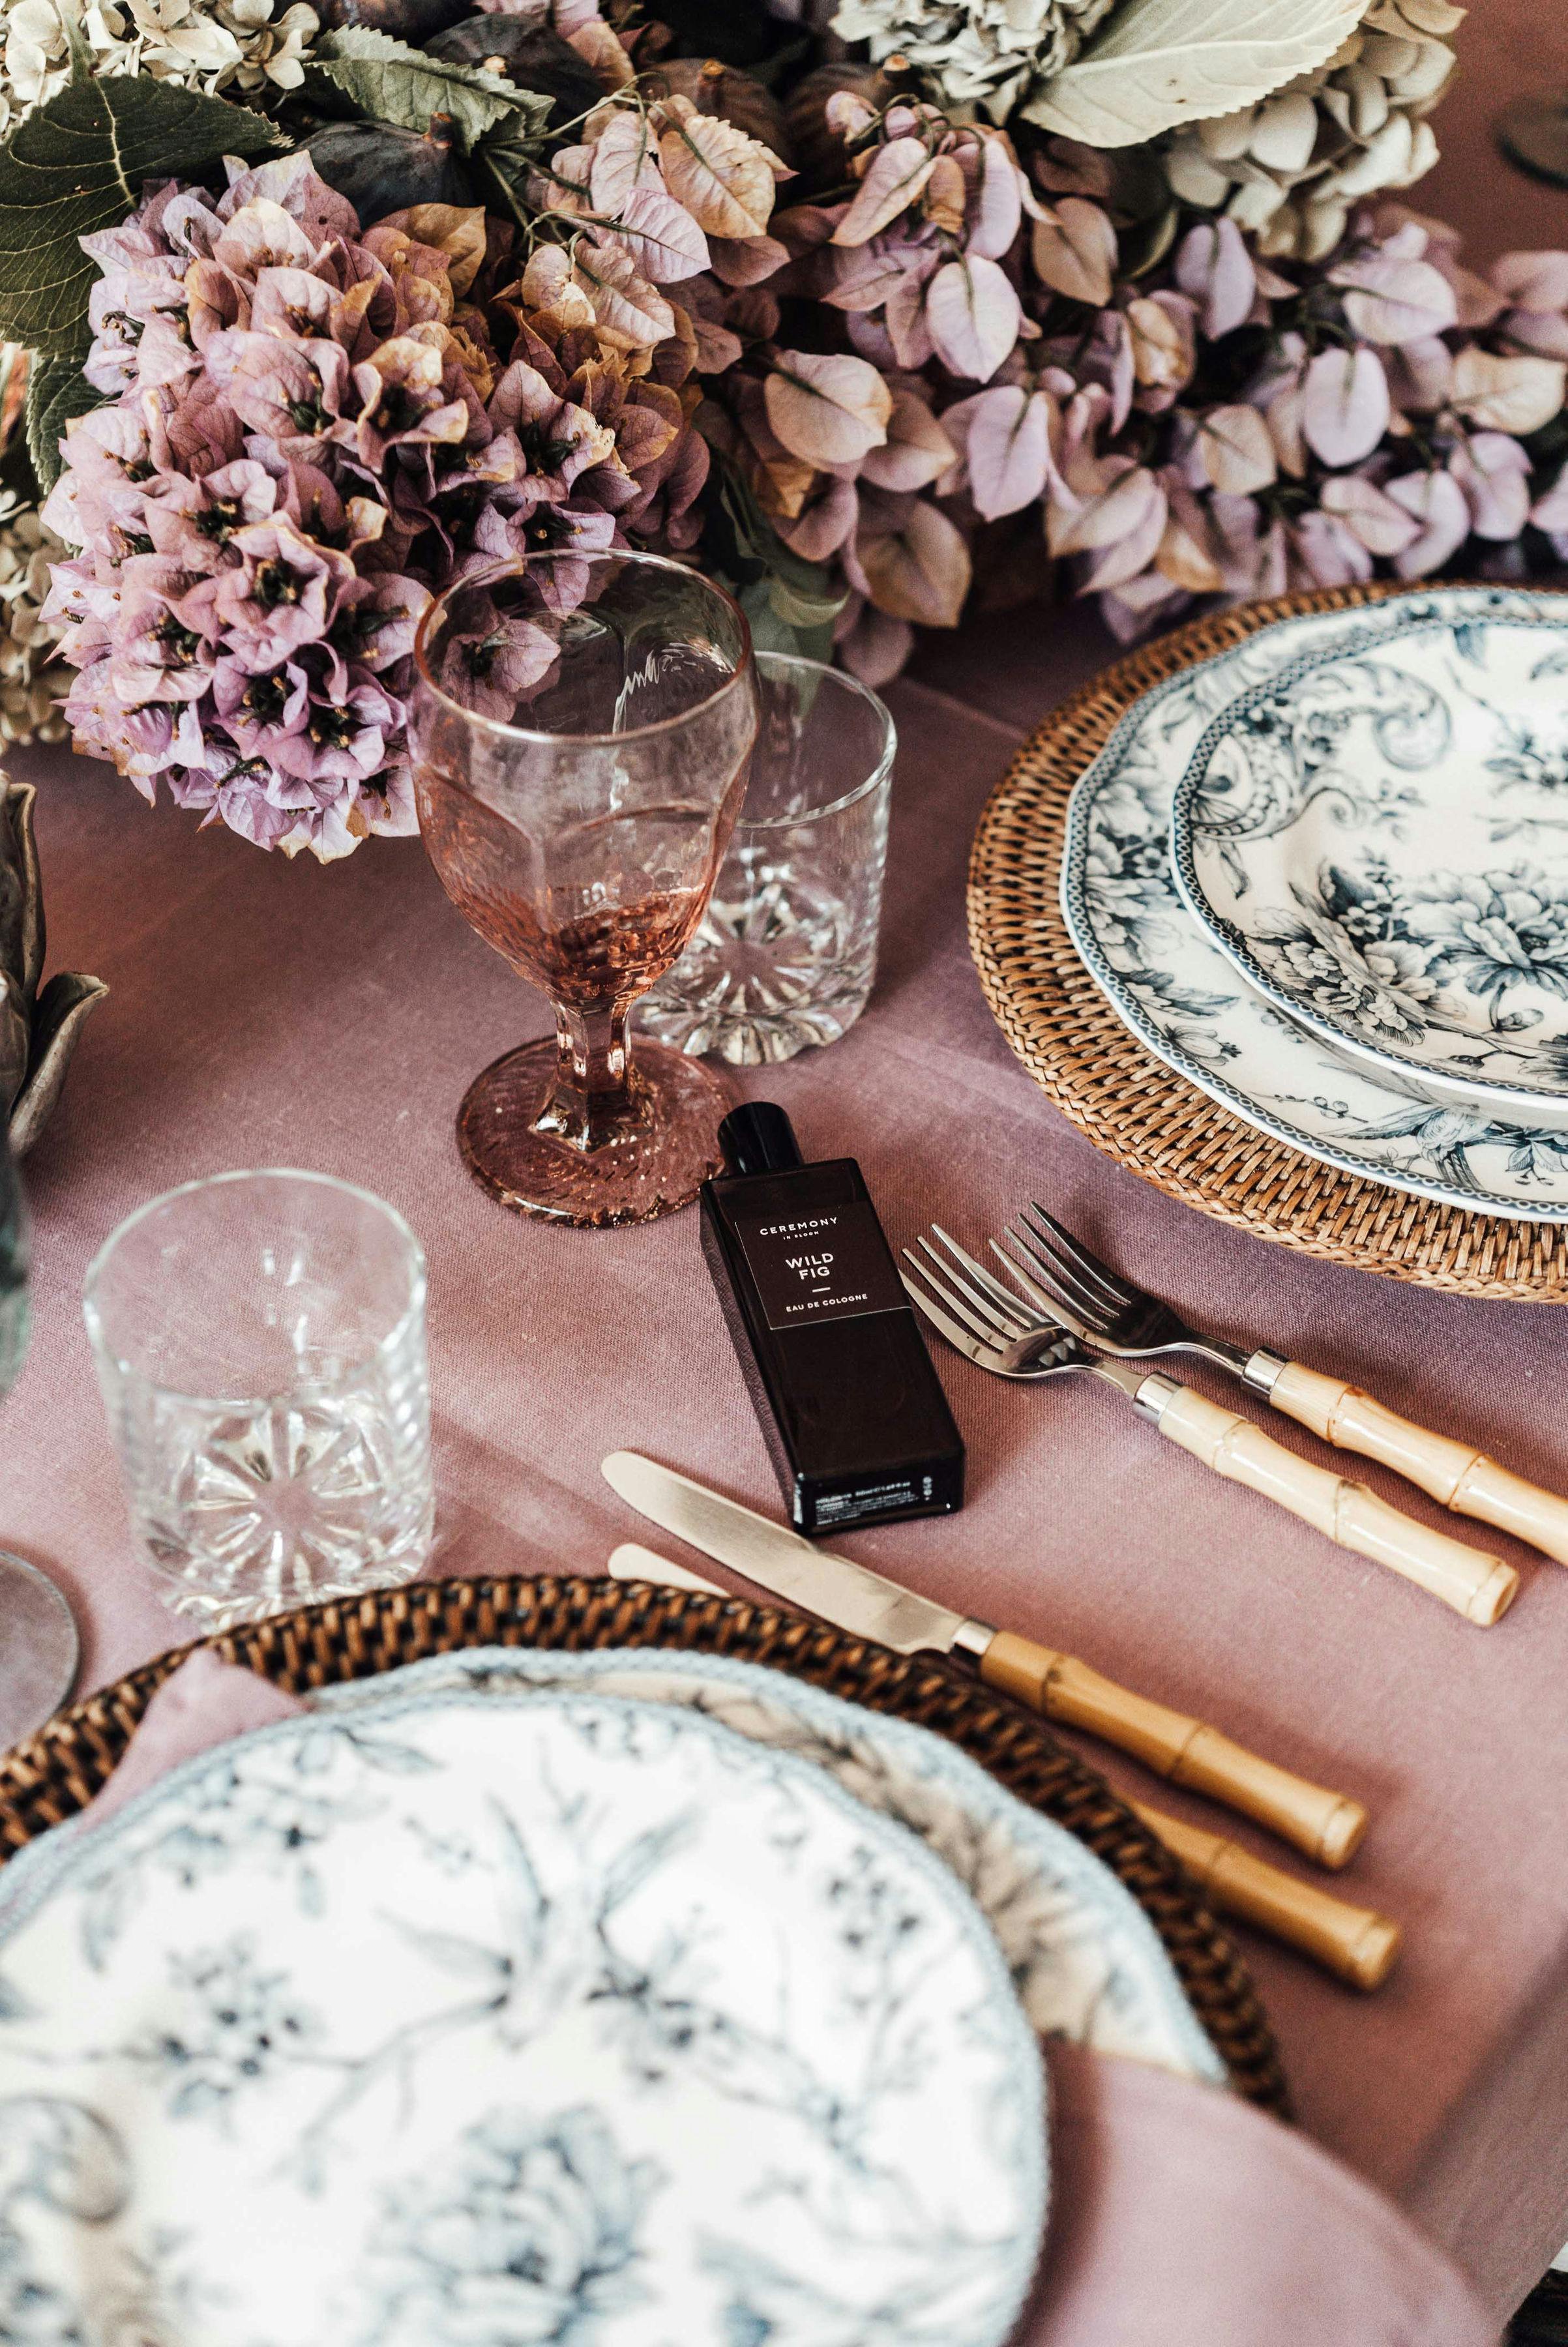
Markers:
923,1302
988,1294
1117,1292
1055,1274
1048,1295
944,1282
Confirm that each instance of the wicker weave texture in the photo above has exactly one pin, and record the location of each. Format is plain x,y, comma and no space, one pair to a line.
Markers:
57,1772
1139,1111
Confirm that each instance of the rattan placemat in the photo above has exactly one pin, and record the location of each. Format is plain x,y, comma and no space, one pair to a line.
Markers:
1134,1107
57,1772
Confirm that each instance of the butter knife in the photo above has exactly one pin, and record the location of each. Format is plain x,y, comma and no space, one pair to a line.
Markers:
1326,1825
1355,1944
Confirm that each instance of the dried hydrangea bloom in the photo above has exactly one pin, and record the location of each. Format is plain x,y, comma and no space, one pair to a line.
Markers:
1291,168
33,678
246,49
984,53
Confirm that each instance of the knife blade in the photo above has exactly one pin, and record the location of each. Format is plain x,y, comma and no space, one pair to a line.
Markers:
1326,1825
780,1560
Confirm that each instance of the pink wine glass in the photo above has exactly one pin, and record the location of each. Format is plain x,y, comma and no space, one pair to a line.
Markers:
582,726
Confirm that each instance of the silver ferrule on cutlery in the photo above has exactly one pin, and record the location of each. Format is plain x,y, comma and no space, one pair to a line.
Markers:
1356,1944
1327,1825
1013,1332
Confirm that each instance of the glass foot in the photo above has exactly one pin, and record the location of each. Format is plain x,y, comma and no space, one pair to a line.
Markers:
1533,134
38,1649
661,1160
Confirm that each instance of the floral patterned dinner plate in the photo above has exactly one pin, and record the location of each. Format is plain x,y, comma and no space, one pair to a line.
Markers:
582,2023
1377,837
1087,1963
1169,982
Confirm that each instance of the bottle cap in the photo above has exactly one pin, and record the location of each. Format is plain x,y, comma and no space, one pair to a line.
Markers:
758,1138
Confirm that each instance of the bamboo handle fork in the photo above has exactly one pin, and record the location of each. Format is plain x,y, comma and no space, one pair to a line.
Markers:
996,1328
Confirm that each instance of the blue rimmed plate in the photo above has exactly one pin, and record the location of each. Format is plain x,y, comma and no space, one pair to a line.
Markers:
1170,984
1377,837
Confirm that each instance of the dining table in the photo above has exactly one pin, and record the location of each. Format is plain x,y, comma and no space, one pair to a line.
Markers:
263,1012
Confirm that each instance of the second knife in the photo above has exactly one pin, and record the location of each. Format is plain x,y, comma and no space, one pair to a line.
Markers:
1326,1825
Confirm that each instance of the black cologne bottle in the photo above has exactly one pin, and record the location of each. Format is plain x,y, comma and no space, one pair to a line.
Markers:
857,1424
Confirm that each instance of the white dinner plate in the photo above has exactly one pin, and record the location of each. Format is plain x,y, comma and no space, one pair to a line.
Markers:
1377,839
1088,1964
457,2022
1169,982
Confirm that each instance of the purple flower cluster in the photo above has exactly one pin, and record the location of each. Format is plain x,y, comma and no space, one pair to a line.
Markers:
309,434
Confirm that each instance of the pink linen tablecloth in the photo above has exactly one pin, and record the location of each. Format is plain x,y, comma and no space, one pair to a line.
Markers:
264,1013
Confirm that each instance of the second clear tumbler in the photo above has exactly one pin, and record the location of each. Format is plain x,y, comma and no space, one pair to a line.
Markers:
786,952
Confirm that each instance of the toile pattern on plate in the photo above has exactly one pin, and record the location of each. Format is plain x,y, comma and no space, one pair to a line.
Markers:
1167,979
1087,1963
578,2023
1378,839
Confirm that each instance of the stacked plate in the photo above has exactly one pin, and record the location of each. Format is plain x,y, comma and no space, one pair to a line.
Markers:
621,1997
1324,875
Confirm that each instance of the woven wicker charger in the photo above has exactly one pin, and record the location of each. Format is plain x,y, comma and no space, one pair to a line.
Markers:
1134,1107
55,1772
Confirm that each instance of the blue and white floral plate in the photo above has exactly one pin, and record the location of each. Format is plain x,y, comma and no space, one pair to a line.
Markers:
1377,839
581,2021
1168,981
1087,1963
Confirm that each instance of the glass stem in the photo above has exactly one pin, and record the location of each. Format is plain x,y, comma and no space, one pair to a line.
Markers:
593,1097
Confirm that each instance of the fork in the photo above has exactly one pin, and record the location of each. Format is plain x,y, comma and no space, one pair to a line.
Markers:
1066,1279
992,1327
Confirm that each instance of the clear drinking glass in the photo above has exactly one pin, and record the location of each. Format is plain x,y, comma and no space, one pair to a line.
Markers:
260,1340
786,952
581,725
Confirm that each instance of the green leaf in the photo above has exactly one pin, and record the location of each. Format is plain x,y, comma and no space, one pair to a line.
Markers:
386,81
1158,62
76,165
772,631
57,390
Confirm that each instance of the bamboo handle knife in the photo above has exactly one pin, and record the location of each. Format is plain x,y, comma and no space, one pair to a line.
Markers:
1455,1473
1328,1826
1358,1945
1352,1941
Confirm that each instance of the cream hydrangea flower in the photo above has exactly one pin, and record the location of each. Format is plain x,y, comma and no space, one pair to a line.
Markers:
242,47
1292,166
984,53
34,680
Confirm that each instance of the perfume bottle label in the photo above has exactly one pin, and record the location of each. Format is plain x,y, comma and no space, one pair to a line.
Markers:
811,1267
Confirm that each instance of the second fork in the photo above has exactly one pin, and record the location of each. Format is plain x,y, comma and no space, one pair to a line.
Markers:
995,1330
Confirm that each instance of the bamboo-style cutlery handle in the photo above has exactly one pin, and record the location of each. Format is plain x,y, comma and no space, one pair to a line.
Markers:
1328,1826
1475,1583
1354,1943
1455,1473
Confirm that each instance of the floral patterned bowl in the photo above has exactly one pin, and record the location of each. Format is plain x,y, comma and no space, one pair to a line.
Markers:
1377,837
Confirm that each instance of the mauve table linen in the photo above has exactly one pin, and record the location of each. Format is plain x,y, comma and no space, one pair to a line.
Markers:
269,1014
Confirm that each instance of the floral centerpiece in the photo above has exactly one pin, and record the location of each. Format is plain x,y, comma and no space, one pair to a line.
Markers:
955,299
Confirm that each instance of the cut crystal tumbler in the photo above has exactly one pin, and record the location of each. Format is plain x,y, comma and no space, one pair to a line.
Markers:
786,952
260,1340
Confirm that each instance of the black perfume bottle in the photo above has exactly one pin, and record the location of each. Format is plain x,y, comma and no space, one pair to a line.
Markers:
857,1424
